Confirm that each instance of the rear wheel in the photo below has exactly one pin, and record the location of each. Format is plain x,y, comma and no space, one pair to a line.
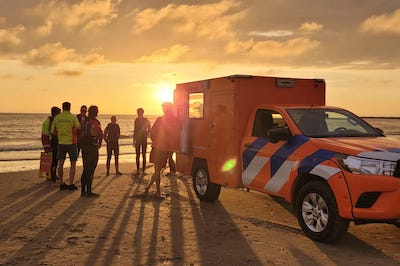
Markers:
317,213
205,190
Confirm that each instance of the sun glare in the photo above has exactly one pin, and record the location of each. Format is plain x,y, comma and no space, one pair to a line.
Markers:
165,92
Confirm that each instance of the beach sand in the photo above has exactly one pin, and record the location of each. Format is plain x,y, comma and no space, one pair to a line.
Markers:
41,225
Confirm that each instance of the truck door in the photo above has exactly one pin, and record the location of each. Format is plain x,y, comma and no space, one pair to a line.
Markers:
265,164
221,133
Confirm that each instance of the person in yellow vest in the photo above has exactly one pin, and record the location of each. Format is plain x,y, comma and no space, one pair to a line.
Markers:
66,126
50,141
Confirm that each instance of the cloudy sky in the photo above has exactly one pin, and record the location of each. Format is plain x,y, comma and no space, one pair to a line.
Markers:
122,54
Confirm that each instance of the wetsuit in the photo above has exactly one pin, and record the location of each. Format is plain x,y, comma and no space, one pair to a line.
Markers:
111,136
140,132
90,155
82,120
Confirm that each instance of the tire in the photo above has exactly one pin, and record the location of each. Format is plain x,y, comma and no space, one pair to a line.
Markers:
317,213
205,190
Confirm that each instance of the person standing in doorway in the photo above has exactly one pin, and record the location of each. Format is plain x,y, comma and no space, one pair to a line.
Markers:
165,140
66,126
50,141
90,151
111,136
141,131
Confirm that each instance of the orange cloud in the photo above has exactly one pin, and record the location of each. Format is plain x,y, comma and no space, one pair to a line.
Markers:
386,23
45,29
69,72
55,53
9,38
49,54
310,27
166,55
208,20
86,14
272,49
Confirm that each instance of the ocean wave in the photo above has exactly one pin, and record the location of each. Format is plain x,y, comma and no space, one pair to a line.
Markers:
37,157
38,147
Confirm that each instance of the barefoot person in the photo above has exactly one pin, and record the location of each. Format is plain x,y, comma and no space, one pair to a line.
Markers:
65,126
165,140
140,133
93,136
112,133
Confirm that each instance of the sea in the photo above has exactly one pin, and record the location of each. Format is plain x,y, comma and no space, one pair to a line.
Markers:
20,141
20,138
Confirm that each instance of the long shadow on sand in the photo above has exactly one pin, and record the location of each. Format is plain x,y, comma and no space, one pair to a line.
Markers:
47,237
207,228
342,252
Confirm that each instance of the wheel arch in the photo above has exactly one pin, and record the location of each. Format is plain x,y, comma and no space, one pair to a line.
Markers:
198,161
337,185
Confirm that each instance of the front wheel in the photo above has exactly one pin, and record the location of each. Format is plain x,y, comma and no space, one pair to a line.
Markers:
317,213
205,190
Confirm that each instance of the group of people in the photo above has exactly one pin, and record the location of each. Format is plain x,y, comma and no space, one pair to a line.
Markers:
64,133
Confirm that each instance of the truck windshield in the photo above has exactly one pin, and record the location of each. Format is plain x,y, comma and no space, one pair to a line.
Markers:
320,123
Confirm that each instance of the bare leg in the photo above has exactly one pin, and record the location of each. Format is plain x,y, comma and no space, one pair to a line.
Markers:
108,165
156,177
137,151
144,150
60,170
116,164
72,173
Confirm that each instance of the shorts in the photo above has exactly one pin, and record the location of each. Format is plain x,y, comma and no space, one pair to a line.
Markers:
159,158
71,149
112,146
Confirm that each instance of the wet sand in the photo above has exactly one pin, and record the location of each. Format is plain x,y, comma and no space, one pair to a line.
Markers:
41,225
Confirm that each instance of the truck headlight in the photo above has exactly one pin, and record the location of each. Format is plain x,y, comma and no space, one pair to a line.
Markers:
360,165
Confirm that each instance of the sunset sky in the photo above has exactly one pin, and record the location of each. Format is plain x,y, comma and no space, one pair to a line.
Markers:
123,54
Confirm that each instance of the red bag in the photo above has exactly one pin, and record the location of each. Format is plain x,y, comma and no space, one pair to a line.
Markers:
45,163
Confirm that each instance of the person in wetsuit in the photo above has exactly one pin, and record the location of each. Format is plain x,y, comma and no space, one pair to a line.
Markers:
111,136
140,132
82,118
90,151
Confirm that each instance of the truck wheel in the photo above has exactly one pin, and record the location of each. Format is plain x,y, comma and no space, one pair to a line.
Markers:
205,190
317,213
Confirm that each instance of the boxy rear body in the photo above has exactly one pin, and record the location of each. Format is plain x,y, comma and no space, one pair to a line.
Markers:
215,113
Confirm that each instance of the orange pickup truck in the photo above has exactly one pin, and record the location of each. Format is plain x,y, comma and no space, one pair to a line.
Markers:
275,135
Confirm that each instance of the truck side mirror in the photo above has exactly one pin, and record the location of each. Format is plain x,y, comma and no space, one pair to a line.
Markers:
277,134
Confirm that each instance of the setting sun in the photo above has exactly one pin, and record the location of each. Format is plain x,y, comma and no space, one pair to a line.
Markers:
165,92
